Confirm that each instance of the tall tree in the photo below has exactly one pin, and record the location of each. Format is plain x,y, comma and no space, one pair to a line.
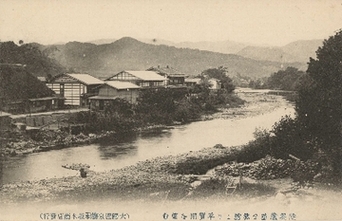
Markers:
220,73
319,106
285,79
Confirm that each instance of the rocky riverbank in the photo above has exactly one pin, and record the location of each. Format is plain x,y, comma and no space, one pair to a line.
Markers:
45,139
145,180
241,175
57,139
175,179
255,104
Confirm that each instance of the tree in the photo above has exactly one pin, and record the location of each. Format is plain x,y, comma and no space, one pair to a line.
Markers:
220,73
159,105
285,79
319,105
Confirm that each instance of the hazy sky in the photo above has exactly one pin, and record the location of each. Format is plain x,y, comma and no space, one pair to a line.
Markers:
272,22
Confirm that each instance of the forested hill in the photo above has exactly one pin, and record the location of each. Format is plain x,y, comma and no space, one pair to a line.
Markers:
30,55
16,83
130,54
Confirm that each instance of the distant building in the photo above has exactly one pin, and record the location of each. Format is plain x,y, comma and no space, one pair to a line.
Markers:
190,82
144,79
76,88
42,79
113,90
215,84
171,75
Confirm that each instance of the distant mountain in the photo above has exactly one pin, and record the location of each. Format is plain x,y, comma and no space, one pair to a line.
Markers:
131,54
225,47
267,54
303,50
102,41
298,51
30,55
157,41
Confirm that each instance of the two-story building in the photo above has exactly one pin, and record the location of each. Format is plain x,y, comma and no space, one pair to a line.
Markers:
191,82
113,90
76,88
144,79
171,75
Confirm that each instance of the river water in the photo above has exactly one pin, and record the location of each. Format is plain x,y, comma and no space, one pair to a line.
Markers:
131,148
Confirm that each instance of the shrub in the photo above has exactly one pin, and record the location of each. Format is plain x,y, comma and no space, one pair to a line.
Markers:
290,138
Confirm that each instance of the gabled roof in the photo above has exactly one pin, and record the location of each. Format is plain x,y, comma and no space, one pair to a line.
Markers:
120,85
86,79
4,114
144,75
169,71
43,79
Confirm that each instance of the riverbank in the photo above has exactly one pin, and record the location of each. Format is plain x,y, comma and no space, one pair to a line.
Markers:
199,180
152,179
255,104
175,181
57,139
190,163
21,142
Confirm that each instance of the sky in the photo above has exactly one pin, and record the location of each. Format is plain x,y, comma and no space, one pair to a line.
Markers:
259,22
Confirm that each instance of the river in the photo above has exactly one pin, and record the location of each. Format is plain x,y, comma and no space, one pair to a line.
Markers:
131,148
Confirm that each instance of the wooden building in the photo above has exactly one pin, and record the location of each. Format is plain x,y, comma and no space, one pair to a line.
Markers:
76,88
44,104
144,79
171,75
113,90
190,82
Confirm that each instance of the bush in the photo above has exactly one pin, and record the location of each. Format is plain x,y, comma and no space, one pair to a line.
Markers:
255,149
290,138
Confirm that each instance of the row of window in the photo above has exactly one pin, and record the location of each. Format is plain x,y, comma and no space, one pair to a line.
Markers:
151,84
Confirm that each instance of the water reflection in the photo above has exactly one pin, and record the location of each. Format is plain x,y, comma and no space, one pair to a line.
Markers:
127,149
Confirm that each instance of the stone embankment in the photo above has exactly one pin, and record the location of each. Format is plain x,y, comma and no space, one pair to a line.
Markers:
47,139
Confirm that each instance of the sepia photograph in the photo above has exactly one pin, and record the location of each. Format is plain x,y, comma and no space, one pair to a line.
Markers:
170,110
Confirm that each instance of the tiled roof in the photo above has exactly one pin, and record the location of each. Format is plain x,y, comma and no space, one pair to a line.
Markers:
194,80
86,79
42,79
4,114
147,75
122,85
102,98
169,71
43,99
